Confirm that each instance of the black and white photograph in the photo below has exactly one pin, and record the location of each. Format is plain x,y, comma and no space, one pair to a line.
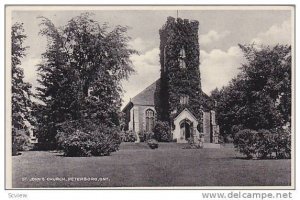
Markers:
149,97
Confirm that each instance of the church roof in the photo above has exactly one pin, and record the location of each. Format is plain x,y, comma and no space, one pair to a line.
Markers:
186,111
146,97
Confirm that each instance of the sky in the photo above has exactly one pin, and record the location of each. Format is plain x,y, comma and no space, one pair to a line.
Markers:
220,32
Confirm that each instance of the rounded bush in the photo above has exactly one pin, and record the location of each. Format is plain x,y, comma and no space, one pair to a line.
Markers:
244,141
100,142
152,143
264,143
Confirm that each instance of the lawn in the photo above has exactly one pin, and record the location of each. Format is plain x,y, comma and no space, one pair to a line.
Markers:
136,165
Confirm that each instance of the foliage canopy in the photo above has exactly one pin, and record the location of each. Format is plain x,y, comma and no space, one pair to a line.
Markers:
80,75
260,96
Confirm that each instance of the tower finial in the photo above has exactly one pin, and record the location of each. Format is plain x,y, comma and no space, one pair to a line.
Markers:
177,14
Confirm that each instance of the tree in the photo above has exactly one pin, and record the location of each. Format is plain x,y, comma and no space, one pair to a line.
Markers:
21,94
260,96
81,74
269,77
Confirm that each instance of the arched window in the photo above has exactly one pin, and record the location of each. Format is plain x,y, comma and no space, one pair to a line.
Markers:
182,58
182,53
149,120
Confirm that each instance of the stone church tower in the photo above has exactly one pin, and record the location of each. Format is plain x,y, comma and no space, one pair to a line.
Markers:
180,74
176,97
180,83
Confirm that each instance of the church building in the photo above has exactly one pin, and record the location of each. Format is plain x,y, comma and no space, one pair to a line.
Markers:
176,97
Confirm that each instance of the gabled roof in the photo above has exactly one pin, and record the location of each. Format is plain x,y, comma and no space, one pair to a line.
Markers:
188,111
146,97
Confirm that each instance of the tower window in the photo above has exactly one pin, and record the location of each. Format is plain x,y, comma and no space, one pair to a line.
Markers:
182,53
184,100
181,58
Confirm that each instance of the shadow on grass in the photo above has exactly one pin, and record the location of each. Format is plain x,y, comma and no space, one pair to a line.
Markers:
61,154
246,158
241,158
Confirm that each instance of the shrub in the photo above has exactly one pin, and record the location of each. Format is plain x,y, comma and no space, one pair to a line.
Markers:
244,141
264,143
152,143
162,132
149,136
141,135
122,135
100,142
21,142
282,146
105,143
128,136
145,136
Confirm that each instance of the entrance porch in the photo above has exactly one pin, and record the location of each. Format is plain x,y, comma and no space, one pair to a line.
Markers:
185,127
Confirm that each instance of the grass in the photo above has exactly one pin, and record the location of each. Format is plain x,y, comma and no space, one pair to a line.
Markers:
136,165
